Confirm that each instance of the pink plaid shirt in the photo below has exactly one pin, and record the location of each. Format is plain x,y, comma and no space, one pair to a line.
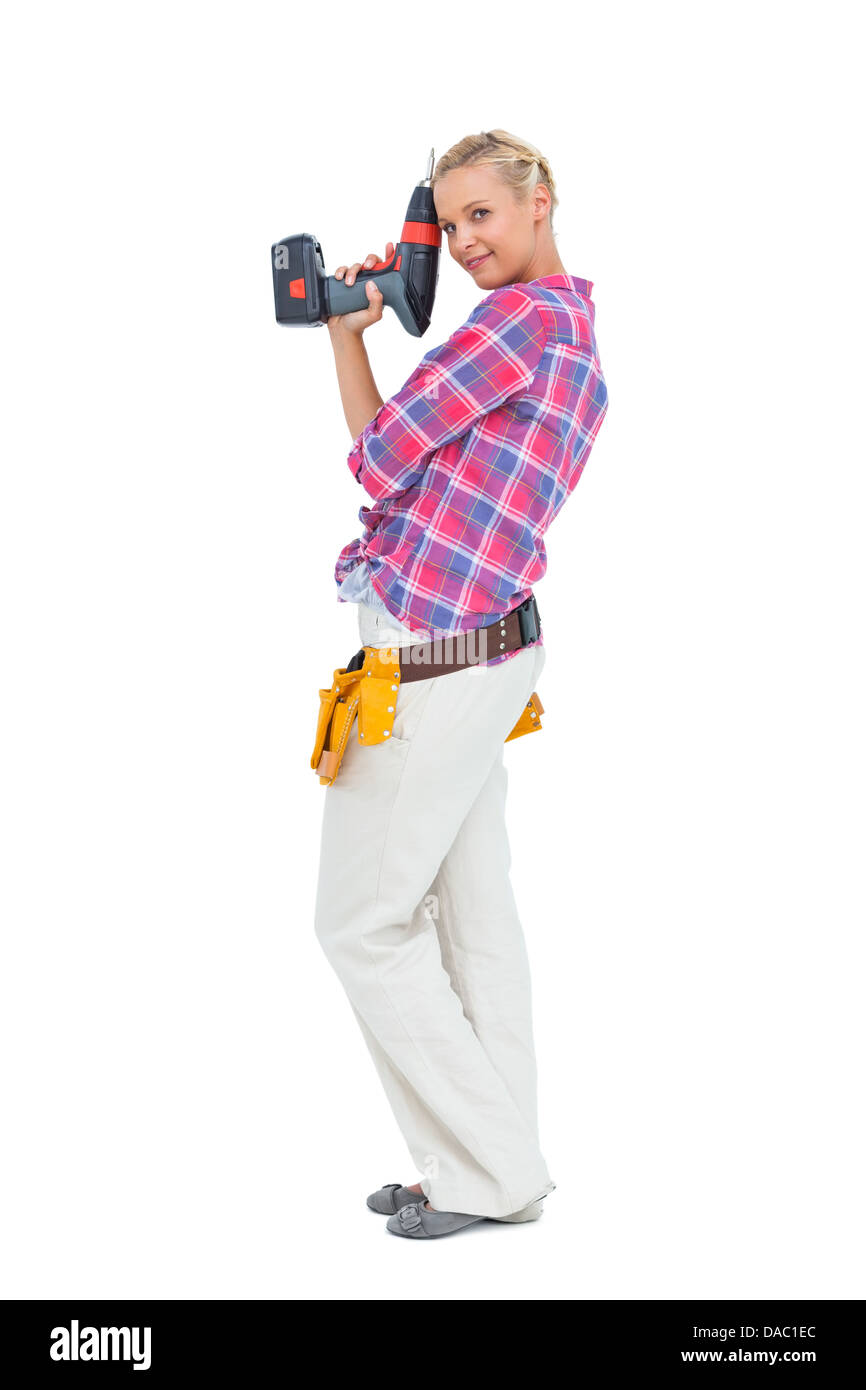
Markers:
468,464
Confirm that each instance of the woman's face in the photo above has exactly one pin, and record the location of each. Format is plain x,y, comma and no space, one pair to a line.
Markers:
480,218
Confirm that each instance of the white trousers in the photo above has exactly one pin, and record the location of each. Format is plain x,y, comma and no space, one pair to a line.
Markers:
416,914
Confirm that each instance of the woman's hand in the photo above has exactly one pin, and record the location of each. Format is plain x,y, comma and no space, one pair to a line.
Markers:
359,319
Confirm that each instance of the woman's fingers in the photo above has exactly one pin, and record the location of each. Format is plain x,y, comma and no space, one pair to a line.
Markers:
351,272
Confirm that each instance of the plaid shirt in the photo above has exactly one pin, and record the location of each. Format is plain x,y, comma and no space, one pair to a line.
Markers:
468,464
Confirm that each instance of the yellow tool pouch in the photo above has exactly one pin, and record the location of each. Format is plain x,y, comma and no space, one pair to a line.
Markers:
530,719
370,695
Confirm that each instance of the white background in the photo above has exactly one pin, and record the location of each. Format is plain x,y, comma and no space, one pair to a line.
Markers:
188,1108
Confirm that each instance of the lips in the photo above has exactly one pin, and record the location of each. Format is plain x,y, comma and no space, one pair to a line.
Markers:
470,265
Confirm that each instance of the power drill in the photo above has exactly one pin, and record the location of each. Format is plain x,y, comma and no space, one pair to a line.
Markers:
304,294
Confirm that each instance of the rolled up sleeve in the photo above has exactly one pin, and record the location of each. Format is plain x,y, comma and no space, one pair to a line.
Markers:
491,357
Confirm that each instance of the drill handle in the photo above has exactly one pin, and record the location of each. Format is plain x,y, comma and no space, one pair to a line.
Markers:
344,299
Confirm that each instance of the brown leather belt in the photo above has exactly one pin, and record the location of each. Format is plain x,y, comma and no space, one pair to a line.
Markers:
418,662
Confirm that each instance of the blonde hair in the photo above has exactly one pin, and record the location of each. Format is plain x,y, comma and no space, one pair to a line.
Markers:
519,165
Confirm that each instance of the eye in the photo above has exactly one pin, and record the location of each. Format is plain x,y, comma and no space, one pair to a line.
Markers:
483,212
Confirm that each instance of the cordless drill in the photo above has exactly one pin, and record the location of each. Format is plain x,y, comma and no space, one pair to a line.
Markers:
304,294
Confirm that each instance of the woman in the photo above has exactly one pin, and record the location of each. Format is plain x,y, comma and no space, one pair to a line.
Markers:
466,467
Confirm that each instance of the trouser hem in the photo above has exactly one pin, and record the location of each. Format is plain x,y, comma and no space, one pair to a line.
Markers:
451,1198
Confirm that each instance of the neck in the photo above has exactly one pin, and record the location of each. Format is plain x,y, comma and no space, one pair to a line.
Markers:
545,262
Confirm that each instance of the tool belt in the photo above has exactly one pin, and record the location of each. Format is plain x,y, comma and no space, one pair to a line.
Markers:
367,688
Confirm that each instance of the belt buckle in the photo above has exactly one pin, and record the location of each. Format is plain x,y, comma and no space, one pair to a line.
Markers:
529,621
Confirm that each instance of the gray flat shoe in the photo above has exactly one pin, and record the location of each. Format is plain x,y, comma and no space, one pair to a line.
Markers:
391,1197
415,1220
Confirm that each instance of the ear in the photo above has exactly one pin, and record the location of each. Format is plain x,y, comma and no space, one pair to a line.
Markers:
541,201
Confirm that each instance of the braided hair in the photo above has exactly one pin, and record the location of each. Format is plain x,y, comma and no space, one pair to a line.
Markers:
518,163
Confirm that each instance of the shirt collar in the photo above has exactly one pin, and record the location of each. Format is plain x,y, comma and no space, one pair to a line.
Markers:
566,282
